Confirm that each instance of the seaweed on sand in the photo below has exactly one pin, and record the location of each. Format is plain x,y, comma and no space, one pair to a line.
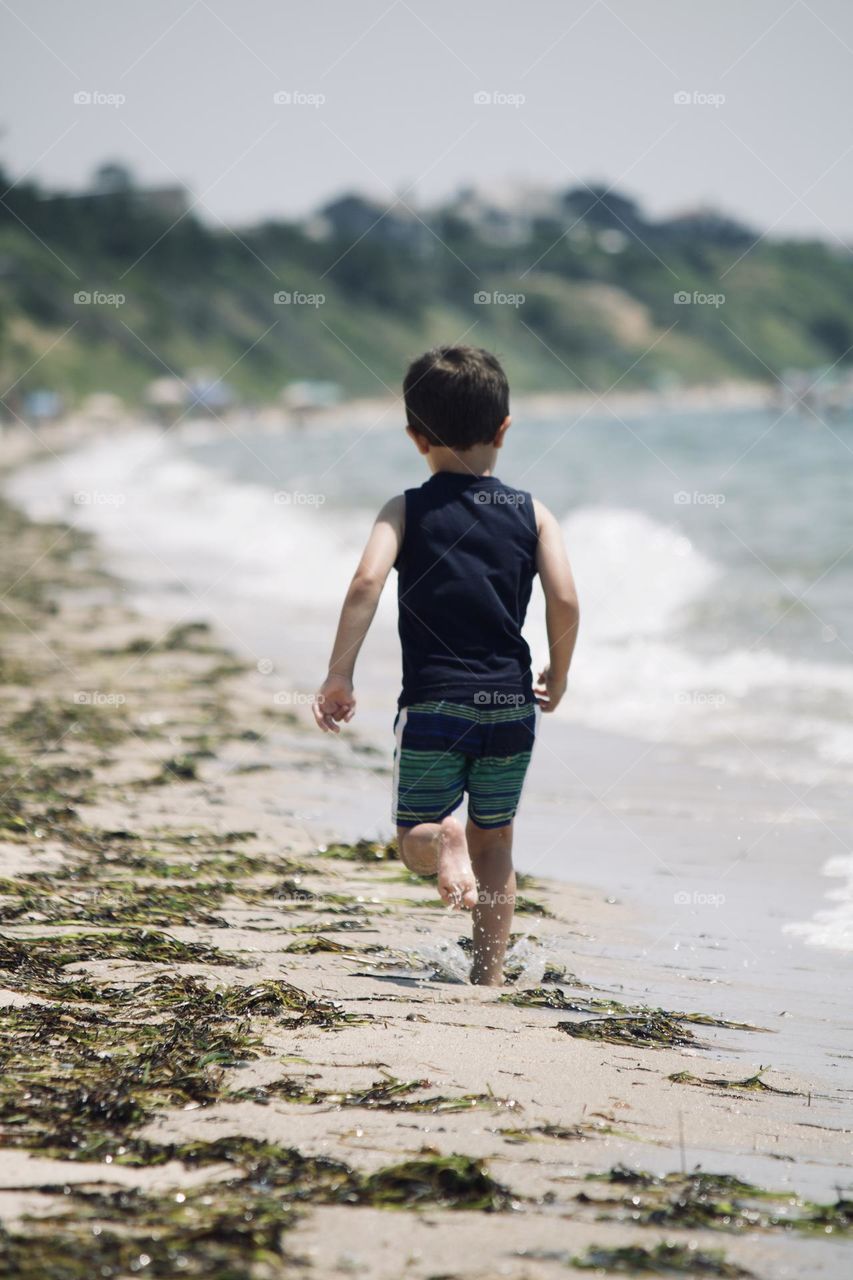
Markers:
548,997
46,724
181,768
313,945
73,1074
663,1259
120,902
562,1133
362,851
714,1202
636,1025
654,1029
43,957
388,1094
691,1201
553,997
752,1083
529,907
235,1228
456,1182
205,1232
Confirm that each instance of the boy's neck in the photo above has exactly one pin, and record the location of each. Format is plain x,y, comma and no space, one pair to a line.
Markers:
477,461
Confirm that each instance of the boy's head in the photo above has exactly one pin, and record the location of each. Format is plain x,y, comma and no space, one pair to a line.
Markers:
457,397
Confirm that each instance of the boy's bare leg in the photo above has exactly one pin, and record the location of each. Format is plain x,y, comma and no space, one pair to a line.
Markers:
440,849
491,858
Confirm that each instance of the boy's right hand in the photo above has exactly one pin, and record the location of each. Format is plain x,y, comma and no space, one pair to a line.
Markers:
548,691
333,702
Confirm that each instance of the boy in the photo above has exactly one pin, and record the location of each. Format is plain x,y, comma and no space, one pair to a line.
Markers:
466,548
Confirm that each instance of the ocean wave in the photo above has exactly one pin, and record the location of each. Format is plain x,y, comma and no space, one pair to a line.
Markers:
642,667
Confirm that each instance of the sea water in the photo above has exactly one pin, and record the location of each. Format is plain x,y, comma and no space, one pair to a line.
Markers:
699,764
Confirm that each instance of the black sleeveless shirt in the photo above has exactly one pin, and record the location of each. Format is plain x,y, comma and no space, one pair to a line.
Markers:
465,571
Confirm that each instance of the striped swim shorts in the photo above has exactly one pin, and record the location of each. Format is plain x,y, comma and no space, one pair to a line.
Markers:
445,748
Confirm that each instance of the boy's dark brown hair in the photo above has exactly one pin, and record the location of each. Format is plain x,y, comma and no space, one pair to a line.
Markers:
456,396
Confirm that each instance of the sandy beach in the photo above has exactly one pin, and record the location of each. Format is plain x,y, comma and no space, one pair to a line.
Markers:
234,1046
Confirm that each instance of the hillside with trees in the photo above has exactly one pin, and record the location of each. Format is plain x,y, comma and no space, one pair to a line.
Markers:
110,289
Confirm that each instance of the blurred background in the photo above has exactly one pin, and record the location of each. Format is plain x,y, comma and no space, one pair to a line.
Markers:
225,229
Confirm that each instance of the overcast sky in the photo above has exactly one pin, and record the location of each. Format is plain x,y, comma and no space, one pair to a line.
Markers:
598,79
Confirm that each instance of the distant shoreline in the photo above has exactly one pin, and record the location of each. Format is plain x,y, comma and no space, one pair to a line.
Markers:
370,412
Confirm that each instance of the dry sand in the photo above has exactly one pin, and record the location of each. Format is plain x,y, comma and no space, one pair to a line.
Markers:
168,738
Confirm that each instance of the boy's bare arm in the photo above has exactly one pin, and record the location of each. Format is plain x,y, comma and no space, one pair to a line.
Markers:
335,700
562,613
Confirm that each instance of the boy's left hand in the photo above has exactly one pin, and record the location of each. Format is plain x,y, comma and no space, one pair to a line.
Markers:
548,690
334,701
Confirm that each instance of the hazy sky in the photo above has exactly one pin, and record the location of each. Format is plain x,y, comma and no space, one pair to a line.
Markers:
399,78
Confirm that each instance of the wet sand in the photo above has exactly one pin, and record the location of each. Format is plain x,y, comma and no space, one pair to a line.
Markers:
348,1106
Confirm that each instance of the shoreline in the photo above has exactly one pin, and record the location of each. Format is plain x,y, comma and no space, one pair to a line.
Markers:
500,1127
728,395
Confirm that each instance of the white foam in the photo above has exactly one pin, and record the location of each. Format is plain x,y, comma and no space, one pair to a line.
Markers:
638,582
833,926
167,519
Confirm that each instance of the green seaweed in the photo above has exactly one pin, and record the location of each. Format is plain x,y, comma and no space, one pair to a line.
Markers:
547,997
35,957
663,1259
226,1229
650,1030
525,906
387,1094
714,1202
362,851
182,768
753,1083
117,903
561,1133
313,945
73,1073
46,725
553,997
451,1182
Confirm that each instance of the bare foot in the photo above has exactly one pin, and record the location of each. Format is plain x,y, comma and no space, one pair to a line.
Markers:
456,882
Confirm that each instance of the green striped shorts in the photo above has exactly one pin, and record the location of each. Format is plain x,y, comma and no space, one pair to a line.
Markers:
445,748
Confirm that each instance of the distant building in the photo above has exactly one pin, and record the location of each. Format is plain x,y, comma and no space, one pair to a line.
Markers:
506,214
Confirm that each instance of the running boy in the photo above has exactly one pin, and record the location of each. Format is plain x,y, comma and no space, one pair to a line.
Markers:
466,548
